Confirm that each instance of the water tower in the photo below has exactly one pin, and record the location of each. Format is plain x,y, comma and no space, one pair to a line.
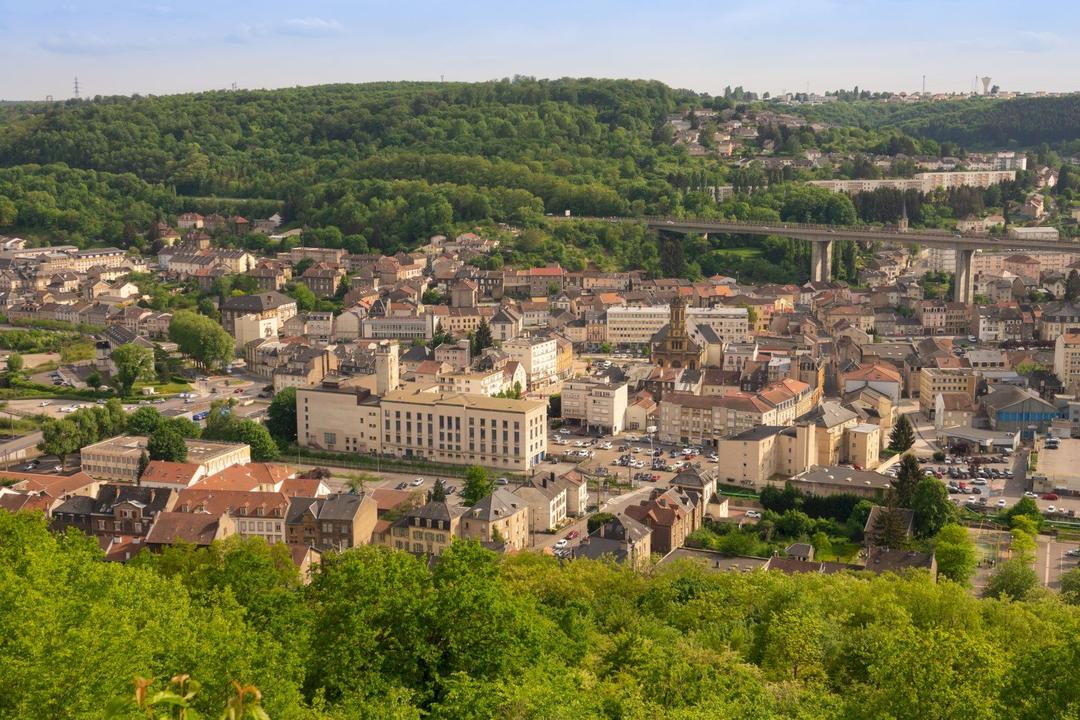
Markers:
986,85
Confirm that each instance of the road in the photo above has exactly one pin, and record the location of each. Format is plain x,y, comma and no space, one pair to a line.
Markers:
823,233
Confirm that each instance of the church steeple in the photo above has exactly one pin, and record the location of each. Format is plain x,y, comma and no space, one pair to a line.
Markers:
678,317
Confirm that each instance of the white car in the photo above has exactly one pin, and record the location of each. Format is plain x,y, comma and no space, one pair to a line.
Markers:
1051,510
753,515
1001,503
1030,494
46,403
418,482
637,450
561,543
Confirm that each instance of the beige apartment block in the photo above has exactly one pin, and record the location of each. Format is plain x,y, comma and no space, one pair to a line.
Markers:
339,414
934,381
461,429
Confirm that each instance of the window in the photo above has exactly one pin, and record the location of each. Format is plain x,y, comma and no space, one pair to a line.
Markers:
329,438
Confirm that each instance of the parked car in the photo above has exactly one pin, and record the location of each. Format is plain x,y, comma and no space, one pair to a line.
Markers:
572,535
418,482
502,481
561,543
1050,496
753,515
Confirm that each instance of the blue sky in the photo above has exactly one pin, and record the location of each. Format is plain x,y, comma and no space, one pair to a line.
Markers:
162,46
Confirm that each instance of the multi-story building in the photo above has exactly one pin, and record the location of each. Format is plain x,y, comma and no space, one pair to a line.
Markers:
546,502
637,324
116,510
464,429
500,517
595,404
335,522
339,414
934,381
1059,318
118,458
1067,361
922,182
428,529
701,420
537,355
257,514
263,305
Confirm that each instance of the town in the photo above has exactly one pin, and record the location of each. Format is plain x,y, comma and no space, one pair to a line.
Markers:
578,413
533,398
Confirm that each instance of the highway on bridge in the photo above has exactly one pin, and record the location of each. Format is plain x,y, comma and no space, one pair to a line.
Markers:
828,233
821,239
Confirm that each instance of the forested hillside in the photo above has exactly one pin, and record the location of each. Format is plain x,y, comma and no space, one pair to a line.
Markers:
973,123
380,635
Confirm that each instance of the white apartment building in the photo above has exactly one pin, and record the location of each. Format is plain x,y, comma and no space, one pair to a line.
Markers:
922,182
473,383
596,405
1067,361
637,324
537,356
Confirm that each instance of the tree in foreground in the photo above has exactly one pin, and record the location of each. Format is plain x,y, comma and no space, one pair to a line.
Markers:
477,485
133,363
1014,579
902,436
166,443
438,491
15,362
955,553
144,420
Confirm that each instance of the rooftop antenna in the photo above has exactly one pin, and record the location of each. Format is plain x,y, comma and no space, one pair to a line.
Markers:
76,86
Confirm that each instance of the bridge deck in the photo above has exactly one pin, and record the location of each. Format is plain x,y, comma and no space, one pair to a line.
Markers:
828,233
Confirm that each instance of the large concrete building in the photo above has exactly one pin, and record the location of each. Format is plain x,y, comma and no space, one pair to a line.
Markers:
420,422
595,404
638,324
464,429
537,355
118,458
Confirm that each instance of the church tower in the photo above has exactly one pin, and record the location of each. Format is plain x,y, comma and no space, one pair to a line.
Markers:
673,347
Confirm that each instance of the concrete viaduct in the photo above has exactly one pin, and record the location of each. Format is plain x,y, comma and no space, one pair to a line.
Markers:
822,237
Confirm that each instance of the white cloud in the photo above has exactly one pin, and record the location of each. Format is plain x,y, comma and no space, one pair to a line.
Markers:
311,27
87,43
1039,41
245,33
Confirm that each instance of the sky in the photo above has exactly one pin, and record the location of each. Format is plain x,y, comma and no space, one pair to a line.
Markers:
123,47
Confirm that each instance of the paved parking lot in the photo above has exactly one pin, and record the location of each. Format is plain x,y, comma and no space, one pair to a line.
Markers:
1052,560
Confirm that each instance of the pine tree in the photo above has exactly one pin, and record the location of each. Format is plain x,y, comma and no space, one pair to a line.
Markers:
908,475
482,337
903,435
438,492
1072,286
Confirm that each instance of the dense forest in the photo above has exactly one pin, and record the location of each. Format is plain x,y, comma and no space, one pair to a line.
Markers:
378,634
380,167
975,123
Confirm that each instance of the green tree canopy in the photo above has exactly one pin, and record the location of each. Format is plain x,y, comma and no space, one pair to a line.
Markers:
202,339
133,363
166,443
281,416
478,484
902,436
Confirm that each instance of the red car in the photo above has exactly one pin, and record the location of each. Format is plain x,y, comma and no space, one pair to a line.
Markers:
237,391
1050,496
572,534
